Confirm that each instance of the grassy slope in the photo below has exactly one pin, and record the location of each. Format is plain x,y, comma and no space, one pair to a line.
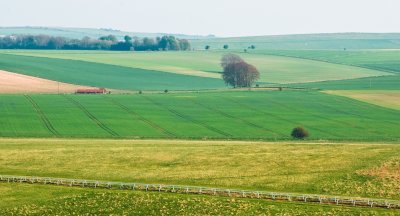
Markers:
385,60
235,115
103,75
311,41
51,200
273,69
335,169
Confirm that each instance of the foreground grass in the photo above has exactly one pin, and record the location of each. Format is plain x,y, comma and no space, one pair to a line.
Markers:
390,99
265,115
334,169
53,200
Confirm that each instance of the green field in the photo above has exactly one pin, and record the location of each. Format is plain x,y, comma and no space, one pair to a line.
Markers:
66,201
197,134
382,60
273,69
336,41
366,170
104,75
267,115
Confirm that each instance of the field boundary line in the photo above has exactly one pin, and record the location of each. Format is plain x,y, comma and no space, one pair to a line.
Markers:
42,116
93,118
249,194
141,118
188,118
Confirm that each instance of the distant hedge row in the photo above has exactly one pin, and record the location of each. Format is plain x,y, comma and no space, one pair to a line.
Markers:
109,42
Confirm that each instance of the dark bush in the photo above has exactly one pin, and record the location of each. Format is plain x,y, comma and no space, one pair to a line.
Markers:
166,91
140,92
300,133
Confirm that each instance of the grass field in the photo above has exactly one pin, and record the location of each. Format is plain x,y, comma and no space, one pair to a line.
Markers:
267,115
62,201
366,170
273,69
390,99
104,75
383,60
387,60
305,42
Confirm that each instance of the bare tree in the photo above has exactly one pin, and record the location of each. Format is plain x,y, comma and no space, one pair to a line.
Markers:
237,72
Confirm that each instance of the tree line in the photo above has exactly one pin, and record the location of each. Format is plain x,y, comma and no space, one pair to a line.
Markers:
109,42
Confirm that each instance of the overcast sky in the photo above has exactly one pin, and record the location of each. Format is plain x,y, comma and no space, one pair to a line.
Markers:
203,17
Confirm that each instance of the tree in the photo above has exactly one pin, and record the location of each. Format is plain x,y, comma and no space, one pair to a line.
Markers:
128,39
237,72
226,46
111,38
300,133
252,47
207,47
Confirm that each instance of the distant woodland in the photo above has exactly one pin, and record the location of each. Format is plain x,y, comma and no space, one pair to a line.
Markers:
109,42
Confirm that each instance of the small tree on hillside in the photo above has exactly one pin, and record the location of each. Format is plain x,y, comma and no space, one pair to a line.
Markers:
207,47
237,72
226,46
300,133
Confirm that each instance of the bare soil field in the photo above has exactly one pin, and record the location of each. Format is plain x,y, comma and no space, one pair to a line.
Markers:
13,83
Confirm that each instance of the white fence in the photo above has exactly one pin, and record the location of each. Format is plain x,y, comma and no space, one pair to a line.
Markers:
312,198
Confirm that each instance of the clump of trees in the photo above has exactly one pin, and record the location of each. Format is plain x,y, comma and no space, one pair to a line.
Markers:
300,133
237,72
109,42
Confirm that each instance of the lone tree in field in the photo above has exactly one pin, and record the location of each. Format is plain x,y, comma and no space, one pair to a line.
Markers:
300,133
237,72
207,47
226,46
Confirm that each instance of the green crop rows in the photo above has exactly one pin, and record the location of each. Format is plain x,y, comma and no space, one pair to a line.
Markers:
268,115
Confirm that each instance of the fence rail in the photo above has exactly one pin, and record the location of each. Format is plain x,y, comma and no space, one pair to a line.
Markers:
312,198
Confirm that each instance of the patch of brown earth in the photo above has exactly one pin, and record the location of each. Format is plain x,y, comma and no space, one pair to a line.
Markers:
390,170
13,83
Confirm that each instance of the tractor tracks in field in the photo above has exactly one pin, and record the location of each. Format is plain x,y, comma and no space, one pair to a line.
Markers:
141,118
42,116
188,118
273,115
222,113
92,117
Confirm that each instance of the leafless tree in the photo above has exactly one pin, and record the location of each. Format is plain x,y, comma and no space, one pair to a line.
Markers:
237,72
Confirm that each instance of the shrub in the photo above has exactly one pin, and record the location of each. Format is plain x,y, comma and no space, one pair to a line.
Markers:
300,133
166,91
140,92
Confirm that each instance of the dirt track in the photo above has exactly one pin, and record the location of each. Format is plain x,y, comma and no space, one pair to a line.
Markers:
11,83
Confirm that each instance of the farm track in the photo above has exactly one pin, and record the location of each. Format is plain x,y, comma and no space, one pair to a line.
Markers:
42,116
141,118
222,192
93,118
188,118
251,124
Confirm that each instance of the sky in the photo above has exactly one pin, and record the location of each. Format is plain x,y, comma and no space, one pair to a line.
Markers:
203,17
